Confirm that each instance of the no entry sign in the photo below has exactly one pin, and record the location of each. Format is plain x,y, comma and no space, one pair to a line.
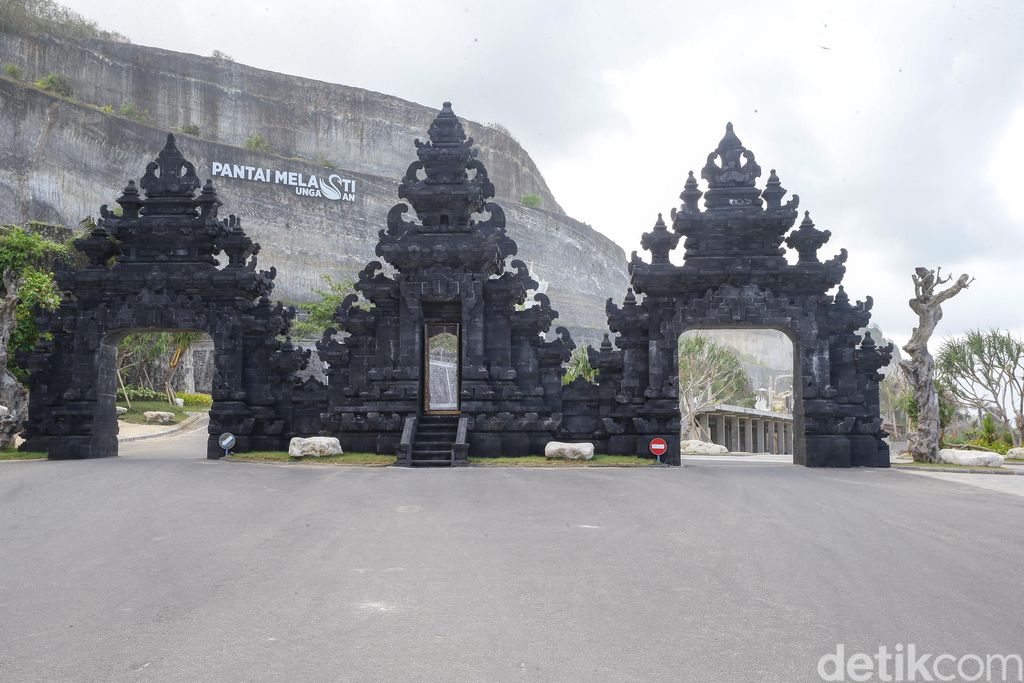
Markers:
658,446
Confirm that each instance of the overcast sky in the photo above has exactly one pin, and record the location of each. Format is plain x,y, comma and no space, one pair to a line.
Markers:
899,124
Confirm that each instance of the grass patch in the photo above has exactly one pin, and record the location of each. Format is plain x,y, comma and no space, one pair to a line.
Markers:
22,455
135,414
541,461
365,459
1016,460
945,466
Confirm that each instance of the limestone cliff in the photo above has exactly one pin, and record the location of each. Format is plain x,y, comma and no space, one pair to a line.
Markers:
61,159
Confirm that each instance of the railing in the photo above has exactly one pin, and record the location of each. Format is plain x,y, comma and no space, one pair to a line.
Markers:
461,446
405,445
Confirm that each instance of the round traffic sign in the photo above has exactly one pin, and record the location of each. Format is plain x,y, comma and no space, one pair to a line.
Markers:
658,446
226,440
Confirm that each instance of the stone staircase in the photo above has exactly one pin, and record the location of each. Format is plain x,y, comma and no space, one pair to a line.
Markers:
432,444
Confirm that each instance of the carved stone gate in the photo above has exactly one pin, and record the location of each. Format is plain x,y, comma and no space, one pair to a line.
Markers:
735,274
152,267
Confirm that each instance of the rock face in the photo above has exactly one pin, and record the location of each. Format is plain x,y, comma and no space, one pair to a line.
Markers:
314,446
63,159
159,417
569,451
1015,453
695,447
955,456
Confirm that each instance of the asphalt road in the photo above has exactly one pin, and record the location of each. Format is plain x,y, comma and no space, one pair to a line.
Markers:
161,565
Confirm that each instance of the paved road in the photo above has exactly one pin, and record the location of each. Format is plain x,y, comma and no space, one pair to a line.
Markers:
160,565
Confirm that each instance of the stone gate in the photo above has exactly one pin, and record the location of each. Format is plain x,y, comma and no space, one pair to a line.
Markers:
735,274
152,267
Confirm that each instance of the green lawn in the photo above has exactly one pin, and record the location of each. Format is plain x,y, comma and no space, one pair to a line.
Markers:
541,461
19,455
367,459
139,407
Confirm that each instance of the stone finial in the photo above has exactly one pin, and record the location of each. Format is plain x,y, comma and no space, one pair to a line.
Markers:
176,178
659,242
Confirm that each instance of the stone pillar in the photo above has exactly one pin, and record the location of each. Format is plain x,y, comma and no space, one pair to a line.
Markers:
720,430
771,437
758,436
789,438
734,433
748,435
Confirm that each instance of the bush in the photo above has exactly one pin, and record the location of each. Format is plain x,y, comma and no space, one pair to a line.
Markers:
197,400
256,143
190,129
321,160
107,109
224,56
531,200
141,394
12,71
58,84
130,111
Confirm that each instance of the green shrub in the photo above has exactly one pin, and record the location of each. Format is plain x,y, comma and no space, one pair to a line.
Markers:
531,200
58,84
190,129
141,394
197,400
12,71
107,109
130,111
256,143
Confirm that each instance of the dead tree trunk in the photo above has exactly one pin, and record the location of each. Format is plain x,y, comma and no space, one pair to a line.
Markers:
920,367
12,394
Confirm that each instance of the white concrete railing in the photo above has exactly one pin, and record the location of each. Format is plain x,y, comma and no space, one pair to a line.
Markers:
748,430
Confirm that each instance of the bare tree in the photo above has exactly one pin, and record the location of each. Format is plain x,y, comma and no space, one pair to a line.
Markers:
709,374
12,394
985,370
920,367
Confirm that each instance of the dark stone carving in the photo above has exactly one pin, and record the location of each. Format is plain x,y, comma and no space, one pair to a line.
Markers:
735,274
447,267
154,267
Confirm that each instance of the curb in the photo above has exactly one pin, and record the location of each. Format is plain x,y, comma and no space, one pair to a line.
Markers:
956,470
181,426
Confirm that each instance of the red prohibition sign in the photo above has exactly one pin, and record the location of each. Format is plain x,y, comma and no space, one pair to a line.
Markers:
658,446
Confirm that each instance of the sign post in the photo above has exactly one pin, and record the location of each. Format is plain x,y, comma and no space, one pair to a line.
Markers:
664,447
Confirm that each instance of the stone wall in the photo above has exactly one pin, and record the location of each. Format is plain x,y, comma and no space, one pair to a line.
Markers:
62,160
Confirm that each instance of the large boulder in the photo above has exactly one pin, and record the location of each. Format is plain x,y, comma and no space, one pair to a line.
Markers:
159,417
695,447
569,451
121,410
1015,453
956,456
314,446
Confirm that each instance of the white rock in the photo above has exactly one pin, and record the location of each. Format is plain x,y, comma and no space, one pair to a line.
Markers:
121,410
569,451
971,458
180,402
315,446
695,447
4,410
160,417
1015,453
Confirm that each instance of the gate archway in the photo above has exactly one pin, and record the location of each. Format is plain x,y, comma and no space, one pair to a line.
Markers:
153,266
735,274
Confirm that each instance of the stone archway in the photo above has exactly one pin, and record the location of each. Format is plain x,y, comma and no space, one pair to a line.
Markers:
153,266
735,274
